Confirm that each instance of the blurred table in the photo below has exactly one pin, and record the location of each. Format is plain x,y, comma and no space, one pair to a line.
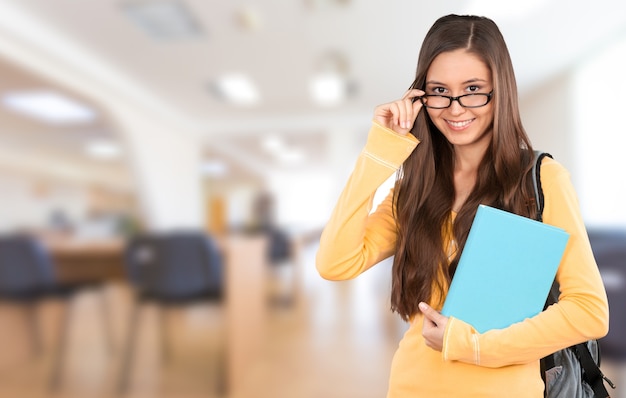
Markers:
245,269
78,260
246,305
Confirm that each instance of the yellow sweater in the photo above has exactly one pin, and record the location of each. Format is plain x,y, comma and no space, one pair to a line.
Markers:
497,363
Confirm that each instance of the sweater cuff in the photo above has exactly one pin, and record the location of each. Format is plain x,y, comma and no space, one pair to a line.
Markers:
388,147
460,342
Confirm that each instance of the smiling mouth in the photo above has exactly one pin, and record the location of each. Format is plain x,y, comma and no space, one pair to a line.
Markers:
460,124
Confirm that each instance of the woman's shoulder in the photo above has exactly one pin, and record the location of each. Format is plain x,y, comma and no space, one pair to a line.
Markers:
552,167
554,175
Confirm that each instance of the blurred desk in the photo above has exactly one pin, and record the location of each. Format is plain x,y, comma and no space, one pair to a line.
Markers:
246,306
245,268
88,260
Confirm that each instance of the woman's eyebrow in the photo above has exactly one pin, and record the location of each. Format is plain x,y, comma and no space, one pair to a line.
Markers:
472,80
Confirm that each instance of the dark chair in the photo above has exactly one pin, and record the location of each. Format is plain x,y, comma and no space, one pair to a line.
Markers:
609,249
279,255
280,246
27,276
171,269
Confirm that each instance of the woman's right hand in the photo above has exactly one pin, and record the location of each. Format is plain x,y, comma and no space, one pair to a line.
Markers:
401,114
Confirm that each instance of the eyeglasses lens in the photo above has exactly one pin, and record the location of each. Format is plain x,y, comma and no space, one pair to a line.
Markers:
468,101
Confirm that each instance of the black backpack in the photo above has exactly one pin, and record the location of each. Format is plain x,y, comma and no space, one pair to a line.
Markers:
573,371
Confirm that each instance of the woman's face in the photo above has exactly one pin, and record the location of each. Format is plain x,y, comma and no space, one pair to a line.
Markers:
456,73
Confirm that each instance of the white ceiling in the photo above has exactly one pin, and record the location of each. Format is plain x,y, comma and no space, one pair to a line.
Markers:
379,40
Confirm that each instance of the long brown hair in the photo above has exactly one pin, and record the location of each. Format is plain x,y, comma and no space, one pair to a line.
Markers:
424,190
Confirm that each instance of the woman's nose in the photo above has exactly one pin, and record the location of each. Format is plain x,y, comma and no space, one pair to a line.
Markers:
456,108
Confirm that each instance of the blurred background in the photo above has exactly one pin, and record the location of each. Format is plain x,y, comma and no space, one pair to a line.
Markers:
135,132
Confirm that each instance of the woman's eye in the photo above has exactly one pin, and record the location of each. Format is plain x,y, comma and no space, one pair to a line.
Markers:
439,90
473,89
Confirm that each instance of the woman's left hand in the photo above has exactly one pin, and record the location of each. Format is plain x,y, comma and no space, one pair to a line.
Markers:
434,327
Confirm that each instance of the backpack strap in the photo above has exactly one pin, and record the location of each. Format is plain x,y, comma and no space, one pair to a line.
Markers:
536,175
546,362
553,295
592,373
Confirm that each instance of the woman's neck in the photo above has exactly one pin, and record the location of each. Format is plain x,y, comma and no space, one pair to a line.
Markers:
464,181
466,163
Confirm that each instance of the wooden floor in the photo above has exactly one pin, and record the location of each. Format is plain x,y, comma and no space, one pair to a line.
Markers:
323,339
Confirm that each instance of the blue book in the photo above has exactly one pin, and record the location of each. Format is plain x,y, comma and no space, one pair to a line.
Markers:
505,271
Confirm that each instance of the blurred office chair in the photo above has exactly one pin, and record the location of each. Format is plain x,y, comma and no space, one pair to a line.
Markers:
280,257
171,269
609,249
27,276
280,250
280,246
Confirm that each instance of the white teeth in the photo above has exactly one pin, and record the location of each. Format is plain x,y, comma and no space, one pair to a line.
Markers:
459,124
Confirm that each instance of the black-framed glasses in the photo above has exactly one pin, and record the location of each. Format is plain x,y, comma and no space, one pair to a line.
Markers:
474,100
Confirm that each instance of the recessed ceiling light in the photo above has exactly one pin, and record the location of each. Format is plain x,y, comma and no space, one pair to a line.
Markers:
214,168
248,19
281,152
163,20
48,106
291,156
103,149
272,143
236,88
328,89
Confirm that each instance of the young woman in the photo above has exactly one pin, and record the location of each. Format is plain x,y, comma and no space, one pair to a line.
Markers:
457,140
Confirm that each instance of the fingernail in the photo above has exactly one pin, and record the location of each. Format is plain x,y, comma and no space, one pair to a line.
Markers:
422,306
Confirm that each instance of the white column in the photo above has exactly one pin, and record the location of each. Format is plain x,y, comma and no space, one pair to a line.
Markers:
166,166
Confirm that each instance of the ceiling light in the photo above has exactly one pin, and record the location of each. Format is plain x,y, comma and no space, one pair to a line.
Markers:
163,20
272,144
104,150
48,106
282,152
291,156
248,19
236,88
330,85
214,168
328,89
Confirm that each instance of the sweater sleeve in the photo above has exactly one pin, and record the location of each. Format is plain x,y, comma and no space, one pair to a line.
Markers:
581,313
354,240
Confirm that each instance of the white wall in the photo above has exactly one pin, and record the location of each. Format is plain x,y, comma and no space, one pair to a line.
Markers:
599,119
546,114
578,117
